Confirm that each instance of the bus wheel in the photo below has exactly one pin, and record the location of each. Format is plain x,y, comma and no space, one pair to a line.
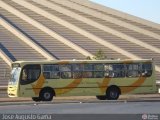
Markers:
113,93
36,99
47,94
101,97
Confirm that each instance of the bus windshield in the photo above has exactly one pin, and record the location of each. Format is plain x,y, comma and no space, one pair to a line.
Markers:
15,74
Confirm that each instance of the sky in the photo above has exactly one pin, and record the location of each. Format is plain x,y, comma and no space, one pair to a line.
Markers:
147,9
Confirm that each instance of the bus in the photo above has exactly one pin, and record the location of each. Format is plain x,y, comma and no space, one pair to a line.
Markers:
105,79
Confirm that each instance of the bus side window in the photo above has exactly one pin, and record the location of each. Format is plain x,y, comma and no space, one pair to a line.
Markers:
87,74
30,73
77,70
51,71
108,70
88,70
118,70
66,71
114,70
146,69
46,75
77,75
133,70
98,70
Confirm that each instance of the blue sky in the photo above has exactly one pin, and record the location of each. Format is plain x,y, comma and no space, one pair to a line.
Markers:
147,9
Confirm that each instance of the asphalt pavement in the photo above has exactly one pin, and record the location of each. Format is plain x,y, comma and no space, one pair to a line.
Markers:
83,111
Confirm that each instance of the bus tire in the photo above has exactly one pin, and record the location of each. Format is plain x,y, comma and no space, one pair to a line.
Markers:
36,99
101,97
47,94
113,93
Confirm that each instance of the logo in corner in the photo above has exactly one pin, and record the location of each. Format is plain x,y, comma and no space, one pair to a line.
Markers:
144,117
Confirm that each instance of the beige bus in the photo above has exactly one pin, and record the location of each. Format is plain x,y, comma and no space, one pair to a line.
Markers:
105,79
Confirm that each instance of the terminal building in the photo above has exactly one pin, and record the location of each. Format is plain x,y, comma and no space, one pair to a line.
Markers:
72,29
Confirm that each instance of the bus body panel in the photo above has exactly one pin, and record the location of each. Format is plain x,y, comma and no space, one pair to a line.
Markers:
91,87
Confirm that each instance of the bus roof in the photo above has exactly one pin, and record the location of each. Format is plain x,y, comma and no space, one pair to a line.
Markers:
84,61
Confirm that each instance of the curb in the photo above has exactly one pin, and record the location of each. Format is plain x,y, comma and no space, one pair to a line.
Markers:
73,102
85,99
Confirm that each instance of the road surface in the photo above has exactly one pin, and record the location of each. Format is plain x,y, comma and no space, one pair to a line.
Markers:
87,111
